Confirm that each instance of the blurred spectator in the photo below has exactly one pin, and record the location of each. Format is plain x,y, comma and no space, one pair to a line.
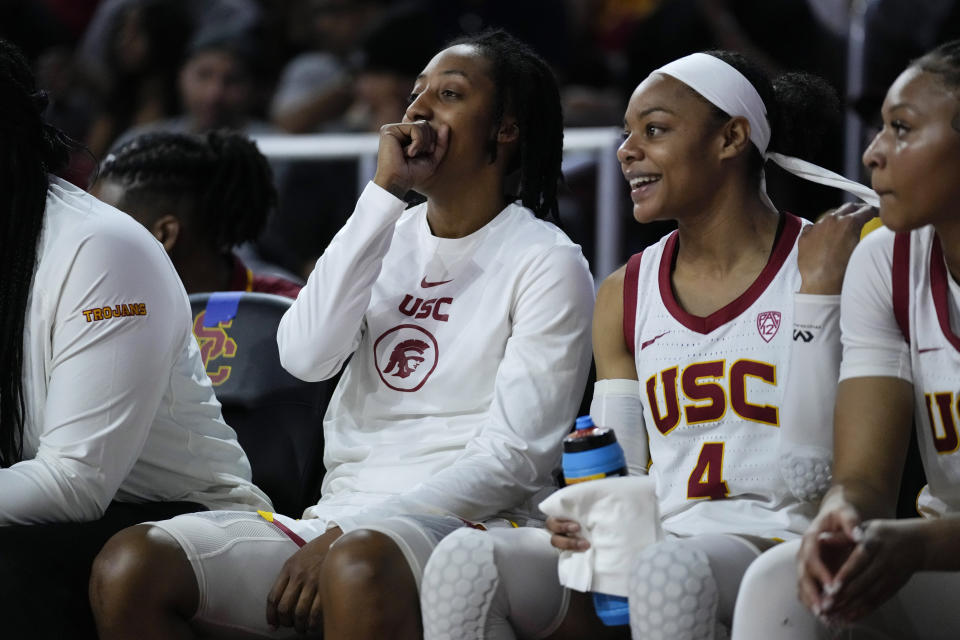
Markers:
236,16
145,48
393,53
316,87
314,202
218,85
200,196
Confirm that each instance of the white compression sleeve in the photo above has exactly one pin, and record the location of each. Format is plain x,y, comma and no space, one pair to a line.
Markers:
806,427
497,585
616,404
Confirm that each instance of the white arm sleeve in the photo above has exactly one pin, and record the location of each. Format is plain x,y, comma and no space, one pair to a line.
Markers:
323,327
873,344
107,378
616,404
539,384
806,426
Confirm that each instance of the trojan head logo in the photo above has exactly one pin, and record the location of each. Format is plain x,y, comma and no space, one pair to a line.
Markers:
405,357
214,344
768,323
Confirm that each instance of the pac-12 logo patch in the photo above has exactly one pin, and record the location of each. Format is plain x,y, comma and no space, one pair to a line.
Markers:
768,323
405,357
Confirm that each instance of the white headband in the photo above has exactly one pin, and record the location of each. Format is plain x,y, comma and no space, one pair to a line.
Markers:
727,89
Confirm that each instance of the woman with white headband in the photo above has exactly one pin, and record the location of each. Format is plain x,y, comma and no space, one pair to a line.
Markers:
695,340
862,573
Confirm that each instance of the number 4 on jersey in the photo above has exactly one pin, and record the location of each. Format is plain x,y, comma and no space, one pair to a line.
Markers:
706,481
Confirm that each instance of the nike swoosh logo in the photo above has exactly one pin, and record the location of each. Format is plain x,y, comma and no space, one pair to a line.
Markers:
427,285
647,343
929,349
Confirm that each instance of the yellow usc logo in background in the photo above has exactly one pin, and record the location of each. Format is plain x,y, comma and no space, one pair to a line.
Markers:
214,343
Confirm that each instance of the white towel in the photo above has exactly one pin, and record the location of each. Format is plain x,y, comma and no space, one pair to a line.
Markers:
618,517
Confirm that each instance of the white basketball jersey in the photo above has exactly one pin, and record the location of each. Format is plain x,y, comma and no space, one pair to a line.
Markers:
924,298
712,392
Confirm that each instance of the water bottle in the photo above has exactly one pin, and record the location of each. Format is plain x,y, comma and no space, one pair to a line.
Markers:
591,453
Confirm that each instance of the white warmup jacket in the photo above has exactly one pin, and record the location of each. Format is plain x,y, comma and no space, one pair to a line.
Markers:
118,405
469,358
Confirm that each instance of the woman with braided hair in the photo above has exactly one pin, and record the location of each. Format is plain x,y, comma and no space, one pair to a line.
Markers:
700,373
466,322
200,196
106,415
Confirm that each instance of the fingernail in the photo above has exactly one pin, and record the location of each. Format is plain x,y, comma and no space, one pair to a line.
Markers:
857,534
816,610
827,604
831,588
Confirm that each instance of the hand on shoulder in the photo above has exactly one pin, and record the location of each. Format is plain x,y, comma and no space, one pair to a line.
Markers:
824,248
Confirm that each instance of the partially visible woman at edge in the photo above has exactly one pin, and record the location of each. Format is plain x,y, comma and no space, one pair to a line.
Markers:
107,418
698,370
200,196
468,321
863,573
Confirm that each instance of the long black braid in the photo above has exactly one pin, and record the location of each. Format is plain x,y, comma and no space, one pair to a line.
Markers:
527,88
220,181
30,149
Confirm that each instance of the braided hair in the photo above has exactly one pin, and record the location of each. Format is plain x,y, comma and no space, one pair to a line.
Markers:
526,88
30,149
219,181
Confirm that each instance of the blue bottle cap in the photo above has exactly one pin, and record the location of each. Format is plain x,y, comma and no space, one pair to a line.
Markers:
584,422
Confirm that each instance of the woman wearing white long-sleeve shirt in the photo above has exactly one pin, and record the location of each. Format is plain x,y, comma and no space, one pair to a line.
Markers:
467,322
106,416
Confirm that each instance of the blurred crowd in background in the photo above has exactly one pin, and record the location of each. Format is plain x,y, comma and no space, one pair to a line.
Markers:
117,68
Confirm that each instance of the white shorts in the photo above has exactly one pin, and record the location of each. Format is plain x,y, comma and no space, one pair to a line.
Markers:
237,555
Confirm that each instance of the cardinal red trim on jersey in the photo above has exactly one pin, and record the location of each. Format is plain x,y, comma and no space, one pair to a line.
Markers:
900,278
939,288
630,286
782,247
287,532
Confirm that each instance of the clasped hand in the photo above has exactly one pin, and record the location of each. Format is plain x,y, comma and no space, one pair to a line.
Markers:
847,568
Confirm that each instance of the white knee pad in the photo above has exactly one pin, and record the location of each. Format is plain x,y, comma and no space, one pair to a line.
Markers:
497,585
673,594
459,585
806,470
